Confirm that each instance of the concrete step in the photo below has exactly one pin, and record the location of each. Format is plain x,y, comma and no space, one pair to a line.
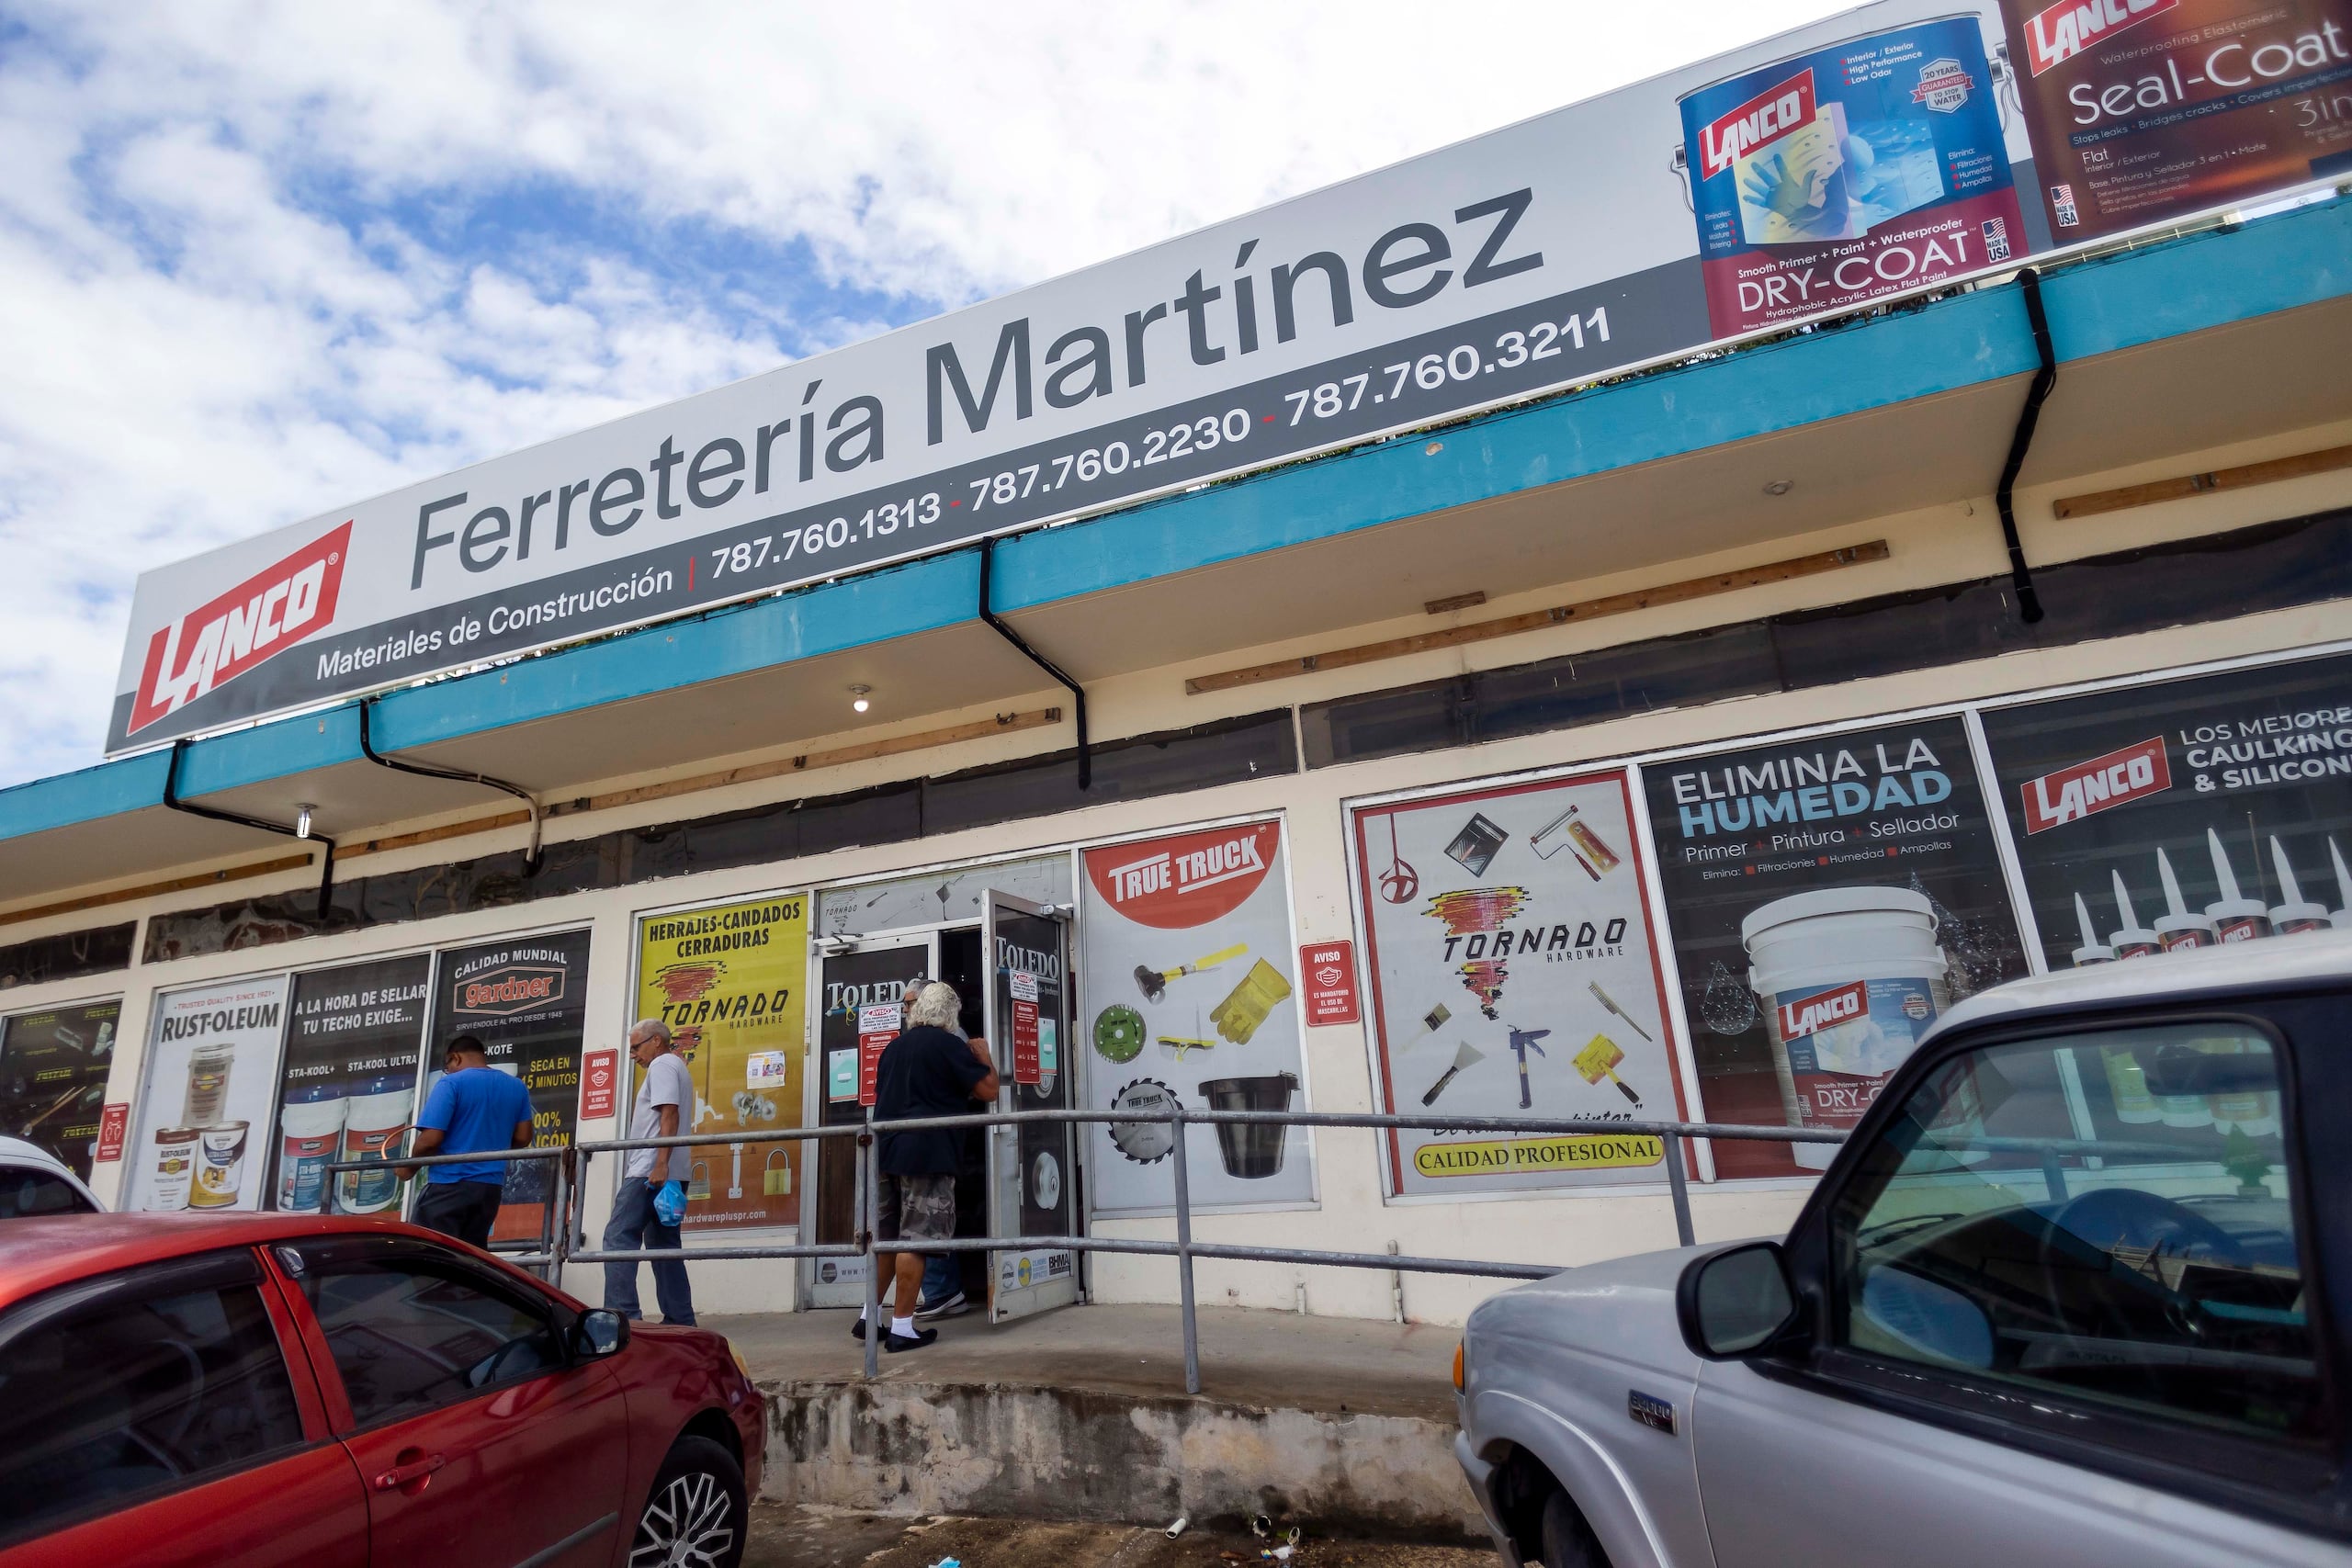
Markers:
1342,1425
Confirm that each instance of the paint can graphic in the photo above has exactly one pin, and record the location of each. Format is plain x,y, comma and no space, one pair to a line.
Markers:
174,1170
208,1084
1849,978
310,1134
1849,173
373,1123
220,1165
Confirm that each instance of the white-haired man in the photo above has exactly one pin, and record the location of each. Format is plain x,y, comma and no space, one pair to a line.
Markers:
664,1097
925,1071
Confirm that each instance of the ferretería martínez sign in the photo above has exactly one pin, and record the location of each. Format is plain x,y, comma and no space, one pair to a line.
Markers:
1846,161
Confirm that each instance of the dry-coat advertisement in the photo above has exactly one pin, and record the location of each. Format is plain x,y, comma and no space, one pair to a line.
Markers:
728,982
1872,153
1513,972
1831,898
211,1085
1186,996
525,999
2182,814
53,1068
353,1057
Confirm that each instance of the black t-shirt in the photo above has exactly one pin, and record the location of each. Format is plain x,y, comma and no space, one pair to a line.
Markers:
924,1072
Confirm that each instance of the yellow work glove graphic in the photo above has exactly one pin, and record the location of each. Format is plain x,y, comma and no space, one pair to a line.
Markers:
1246,1006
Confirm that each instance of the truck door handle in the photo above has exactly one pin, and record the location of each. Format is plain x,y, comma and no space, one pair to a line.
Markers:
412,1467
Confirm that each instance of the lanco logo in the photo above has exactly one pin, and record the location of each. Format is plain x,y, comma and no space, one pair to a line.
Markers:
1824,1010
2057,34
2071,794
266,614
511,991
1769,116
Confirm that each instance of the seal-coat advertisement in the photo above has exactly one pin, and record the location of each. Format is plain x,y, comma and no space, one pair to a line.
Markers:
212,1082
2182,814
2144,109
728,982
1186,995
1875,152
1831,898
1513,973
353,1059
526,999
53,1070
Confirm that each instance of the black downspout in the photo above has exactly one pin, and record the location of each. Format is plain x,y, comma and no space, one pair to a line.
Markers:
172,799
1077,691
532,859
2028,602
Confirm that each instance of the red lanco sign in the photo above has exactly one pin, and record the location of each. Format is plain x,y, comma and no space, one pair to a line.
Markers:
2071,794
1824,1010
1769,114
266,614
2058,33
511,991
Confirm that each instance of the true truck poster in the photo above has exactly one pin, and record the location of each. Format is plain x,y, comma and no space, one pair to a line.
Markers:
728,981
1829,898
1187,994
526,999
1513,972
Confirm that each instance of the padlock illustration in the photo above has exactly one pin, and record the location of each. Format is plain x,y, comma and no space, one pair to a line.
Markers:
776,1181
698,1188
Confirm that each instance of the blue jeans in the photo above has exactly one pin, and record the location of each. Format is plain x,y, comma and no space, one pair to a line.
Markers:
943,1276
633,1228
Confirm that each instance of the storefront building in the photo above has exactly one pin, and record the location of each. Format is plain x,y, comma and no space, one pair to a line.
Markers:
1676,744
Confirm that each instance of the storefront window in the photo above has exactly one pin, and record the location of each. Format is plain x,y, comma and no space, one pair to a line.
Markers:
53,1070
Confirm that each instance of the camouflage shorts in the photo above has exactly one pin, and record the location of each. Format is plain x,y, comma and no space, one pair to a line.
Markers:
916,1208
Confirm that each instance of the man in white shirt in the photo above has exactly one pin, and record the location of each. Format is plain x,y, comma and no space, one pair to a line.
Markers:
665,1096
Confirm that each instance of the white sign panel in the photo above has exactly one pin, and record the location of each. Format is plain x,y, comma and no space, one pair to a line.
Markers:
211,1086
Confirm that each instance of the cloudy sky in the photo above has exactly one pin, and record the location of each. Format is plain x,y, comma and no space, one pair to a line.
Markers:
258,261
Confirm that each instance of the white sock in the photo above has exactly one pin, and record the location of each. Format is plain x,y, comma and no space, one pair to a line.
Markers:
905,1326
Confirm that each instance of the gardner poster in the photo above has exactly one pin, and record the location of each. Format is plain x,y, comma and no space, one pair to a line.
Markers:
525,999
1829,898
1187,994
53,1077
1513,971
728,980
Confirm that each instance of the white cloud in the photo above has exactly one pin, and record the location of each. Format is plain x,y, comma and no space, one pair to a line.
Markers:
251,260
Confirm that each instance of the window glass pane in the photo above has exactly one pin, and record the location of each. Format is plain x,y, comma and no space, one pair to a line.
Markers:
2107,1215
413,1330
132,1395
24,1193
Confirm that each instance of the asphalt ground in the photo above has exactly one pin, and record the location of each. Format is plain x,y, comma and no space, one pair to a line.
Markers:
783,1537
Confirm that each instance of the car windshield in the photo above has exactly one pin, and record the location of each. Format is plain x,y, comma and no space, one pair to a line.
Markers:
28,1190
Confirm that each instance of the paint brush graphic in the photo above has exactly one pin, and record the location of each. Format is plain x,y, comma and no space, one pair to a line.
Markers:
1605,1000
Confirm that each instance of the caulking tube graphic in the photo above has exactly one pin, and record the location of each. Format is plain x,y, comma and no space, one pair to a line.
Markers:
2291,916
2093,951
2130,939
2177,927
2235,917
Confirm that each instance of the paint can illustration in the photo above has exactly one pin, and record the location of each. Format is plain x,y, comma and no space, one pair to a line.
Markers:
208,1084
1850,978
1846,174
174,1170
220,1165
1252,1151
374,1119
309,1133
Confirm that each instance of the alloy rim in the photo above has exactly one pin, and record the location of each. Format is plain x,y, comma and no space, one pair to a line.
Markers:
689,1525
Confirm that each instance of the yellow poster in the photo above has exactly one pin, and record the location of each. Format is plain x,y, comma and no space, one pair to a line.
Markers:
728,980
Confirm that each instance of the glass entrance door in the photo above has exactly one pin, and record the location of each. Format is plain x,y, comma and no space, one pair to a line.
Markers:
858,993
1031,1178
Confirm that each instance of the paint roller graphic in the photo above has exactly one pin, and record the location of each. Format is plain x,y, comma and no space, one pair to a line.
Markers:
1464,1054
1599,1060
1153,983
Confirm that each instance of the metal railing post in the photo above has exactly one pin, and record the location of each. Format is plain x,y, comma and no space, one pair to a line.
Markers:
1184,1250
869,1172
1678,1181
560,1221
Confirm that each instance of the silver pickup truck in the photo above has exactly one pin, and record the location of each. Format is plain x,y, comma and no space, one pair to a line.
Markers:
2078,1290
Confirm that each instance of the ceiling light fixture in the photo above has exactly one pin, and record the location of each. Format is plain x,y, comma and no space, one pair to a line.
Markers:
1780,487
858,698
302,819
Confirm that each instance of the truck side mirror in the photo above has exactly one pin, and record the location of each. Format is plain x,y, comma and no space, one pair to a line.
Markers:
1733,1303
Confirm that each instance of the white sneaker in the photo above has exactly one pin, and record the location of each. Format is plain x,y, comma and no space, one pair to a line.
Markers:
954,1307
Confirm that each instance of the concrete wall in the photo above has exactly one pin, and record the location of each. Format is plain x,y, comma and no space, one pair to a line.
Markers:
1930,547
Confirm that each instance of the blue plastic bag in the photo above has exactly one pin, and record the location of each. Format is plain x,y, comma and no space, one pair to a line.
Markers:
669,1203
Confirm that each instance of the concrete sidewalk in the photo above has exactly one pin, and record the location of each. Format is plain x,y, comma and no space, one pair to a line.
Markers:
1081,1415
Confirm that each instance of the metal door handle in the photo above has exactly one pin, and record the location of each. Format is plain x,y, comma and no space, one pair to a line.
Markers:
416,1469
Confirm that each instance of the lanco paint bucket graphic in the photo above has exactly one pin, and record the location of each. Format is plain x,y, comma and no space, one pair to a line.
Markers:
1849,978
1849,173
220,1165
175,1168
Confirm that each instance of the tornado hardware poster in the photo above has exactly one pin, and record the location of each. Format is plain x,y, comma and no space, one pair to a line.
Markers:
355,1053
728,980
1830,897
1187,995
2182,814
208,1085
53,1068
1857,159
1513,973
525,999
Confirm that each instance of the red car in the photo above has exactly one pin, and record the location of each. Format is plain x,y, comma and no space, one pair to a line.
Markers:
266,1390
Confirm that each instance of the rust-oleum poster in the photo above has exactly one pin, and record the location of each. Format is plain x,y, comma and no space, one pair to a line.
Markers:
525,999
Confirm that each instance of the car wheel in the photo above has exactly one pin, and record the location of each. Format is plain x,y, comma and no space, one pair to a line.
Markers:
697,1514
1567,1540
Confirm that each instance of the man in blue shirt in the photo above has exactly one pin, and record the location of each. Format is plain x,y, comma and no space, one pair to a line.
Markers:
473,1108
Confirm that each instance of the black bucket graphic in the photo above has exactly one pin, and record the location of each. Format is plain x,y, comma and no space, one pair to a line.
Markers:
1252,1151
